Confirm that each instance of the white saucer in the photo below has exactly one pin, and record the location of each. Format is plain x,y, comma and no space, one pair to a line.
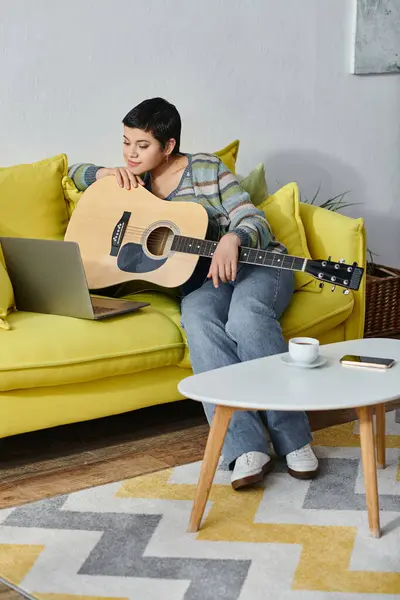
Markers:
288,360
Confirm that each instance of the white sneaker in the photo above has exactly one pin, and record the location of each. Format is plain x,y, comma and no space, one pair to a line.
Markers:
250,468
302,463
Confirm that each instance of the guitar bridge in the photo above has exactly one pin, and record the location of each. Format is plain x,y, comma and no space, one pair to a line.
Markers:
118,233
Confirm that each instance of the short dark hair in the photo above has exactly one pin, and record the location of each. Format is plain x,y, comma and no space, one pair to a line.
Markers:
158,117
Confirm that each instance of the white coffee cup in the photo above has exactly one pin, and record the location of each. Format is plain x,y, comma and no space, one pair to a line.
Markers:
304,350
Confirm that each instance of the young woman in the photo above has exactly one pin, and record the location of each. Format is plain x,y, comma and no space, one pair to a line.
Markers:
230,313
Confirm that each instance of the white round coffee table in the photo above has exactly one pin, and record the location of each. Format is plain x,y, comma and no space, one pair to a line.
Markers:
332,386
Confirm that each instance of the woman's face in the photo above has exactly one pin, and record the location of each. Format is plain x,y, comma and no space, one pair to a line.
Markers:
142,152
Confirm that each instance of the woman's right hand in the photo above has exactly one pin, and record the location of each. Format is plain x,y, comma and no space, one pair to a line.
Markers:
125,178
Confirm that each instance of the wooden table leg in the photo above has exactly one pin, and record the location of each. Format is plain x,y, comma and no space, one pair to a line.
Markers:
369,468
380,414
218,429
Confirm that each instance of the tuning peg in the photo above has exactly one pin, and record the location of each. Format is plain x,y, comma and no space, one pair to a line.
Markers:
329,258
341,260
333,288
321,285
345,292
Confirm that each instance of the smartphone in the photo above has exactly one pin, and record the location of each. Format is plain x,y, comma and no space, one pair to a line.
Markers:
354,360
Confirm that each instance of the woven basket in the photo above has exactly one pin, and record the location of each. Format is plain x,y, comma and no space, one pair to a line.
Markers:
382,311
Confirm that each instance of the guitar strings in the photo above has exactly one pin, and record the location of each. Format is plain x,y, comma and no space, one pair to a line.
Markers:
163,237
186,255
134,229
183,253
159,236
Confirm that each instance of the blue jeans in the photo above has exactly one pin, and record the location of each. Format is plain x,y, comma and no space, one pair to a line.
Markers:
234,323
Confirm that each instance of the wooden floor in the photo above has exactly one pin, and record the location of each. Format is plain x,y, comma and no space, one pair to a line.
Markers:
73,457
7,593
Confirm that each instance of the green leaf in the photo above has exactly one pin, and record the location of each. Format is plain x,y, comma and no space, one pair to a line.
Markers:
315,195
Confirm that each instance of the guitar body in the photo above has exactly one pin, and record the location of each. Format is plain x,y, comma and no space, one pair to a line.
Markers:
125,235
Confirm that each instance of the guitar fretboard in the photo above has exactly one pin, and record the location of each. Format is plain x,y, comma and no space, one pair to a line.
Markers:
252,256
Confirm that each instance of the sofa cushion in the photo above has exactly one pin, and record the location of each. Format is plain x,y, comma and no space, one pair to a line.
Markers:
170,307
314,314
32,201
48,350
282,211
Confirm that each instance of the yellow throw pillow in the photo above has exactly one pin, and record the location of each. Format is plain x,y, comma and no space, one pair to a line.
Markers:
282,211
32,202
6,294
229,154
71,193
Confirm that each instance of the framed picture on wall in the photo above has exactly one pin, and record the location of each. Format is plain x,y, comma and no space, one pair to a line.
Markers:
377,40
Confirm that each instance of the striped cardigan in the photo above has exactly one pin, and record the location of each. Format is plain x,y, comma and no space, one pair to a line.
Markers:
208,181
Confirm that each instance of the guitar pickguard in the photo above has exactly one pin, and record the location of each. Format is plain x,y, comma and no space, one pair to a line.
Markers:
132,259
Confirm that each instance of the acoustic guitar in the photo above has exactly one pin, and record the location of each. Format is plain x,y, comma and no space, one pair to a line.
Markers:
131,234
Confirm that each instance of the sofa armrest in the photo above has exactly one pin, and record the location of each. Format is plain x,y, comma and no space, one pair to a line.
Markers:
333,234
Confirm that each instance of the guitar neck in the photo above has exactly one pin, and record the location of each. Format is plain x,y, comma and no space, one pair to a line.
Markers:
252,256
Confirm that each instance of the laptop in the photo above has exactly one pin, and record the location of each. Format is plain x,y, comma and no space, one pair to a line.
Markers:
48,277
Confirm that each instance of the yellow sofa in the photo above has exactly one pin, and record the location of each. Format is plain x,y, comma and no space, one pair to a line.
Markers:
57,370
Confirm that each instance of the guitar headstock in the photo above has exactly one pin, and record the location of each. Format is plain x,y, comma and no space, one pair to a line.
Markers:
336,273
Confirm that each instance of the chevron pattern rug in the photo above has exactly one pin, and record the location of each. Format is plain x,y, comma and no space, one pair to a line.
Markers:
285,540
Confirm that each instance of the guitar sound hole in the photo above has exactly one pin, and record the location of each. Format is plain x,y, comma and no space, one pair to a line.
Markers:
159,241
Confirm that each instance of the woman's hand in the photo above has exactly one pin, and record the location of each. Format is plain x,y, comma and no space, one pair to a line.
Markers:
124,177
225,259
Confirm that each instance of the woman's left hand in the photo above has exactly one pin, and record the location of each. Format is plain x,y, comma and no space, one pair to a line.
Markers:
224,262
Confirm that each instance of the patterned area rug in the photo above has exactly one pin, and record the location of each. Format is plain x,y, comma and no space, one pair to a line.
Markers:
285,540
